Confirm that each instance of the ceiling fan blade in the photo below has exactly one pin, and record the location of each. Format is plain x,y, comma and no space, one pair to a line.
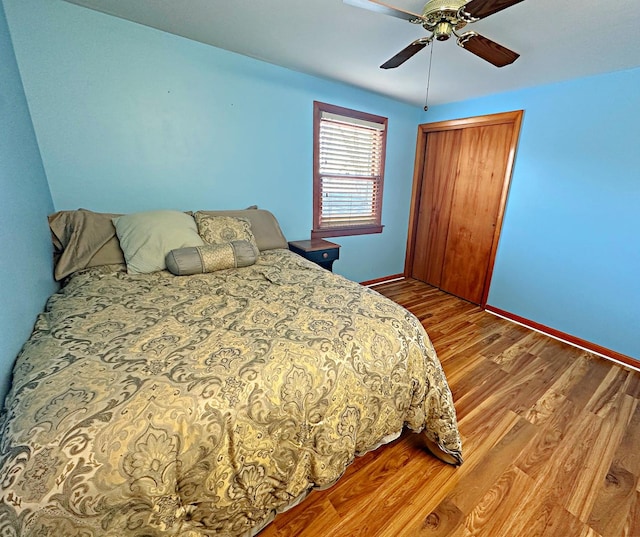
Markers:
405,54
385,9
487,49
479,9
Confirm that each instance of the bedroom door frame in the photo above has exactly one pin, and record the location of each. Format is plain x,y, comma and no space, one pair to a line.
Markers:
514,118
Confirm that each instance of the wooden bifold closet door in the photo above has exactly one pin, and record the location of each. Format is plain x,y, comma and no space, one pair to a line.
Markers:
461,180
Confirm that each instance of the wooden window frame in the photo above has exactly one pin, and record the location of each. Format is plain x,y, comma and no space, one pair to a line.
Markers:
318,230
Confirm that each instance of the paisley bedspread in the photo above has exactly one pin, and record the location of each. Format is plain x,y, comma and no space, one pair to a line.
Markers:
156,405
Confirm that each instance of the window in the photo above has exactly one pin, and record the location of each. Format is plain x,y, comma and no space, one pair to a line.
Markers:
348,171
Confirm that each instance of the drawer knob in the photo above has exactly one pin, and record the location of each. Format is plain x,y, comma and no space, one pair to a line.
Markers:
325,255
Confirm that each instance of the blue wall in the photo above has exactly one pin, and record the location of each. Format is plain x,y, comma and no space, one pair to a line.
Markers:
569,254
131,118
25,263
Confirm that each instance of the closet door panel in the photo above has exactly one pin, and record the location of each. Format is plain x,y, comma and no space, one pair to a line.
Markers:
437,186
474,209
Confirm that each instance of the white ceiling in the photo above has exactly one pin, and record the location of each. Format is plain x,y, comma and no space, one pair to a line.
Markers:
557,39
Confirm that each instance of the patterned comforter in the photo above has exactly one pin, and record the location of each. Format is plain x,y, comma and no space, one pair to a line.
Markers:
156,405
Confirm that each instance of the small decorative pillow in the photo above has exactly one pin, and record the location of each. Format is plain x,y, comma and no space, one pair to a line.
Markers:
146,238
211,257
220,229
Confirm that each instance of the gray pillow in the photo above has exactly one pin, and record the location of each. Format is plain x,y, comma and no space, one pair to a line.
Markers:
211,257
83,239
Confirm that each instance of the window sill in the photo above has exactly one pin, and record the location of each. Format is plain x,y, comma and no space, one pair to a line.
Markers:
345,231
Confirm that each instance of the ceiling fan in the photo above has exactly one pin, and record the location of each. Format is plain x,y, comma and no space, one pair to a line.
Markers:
444,18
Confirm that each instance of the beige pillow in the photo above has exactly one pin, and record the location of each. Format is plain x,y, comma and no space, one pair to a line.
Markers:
146,238
211,257
221,229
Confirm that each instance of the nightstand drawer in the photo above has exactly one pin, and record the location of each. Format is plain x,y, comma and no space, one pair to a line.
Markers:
322,252
320,256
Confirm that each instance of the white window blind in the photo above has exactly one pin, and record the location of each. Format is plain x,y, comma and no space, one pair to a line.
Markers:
350,167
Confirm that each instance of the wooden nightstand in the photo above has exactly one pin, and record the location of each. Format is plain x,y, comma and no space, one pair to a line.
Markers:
322,252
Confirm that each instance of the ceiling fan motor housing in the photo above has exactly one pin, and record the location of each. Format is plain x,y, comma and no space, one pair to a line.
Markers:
441,17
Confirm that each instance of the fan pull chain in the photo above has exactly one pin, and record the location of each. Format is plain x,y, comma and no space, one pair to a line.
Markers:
426,99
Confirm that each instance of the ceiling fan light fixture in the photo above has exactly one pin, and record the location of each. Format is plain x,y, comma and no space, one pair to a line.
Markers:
442,31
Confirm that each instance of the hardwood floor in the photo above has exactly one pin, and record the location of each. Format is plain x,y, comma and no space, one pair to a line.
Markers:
551,439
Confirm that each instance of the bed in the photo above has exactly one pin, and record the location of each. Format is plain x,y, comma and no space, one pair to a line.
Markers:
156,404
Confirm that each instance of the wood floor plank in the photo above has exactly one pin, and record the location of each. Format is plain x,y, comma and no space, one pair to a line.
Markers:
469,381
597,371
632,525
590,532
614,501
607,393
550,434
628,453
510,334
414,520
633,386
317,518
515,350
399,490
598,459
473,486
618,492
482,428
551,441
552,520
351,490
574,373
440,522
495,509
